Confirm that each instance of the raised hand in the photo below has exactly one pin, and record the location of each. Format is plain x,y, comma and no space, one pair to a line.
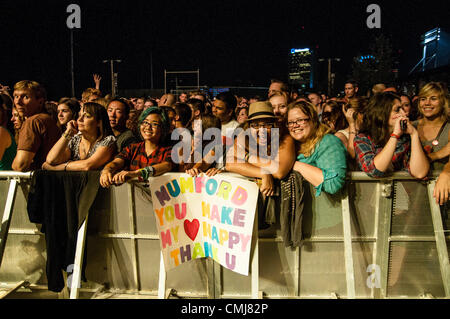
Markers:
97,79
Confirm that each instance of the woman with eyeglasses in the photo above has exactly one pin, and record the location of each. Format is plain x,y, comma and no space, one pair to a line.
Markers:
152,157
87,144
260,151
387,141
320,156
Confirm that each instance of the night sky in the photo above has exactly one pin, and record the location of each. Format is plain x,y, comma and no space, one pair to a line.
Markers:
237,43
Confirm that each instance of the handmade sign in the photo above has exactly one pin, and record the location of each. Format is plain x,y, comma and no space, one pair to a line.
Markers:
204,216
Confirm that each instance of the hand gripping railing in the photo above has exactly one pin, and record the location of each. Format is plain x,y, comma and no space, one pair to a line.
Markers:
381,255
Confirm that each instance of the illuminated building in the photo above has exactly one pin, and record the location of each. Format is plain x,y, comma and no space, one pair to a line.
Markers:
301,68
436,50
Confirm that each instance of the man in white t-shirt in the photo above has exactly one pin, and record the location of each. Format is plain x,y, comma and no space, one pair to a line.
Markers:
223,108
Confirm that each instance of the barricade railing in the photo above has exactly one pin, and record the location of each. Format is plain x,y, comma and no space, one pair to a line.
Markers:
369,227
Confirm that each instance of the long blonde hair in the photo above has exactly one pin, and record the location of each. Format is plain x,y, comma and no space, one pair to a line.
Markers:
318,130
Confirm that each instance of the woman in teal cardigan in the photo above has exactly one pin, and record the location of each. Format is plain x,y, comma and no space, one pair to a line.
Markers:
321,157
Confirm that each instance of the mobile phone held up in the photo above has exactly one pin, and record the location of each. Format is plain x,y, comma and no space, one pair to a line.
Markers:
403,125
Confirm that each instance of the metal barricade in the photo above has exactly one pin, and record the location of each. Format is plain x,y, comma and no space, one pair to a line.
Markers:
376,239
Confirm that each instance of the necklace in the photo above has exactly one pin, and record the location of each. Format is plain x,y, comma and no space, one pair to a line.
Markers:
84,151
435,142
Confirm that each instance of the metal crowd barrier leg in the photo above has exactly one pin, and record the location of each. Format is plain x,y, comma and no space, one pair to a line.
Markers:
383,230
162,278
439,235
255,261
349,270
210,291
75,283
214,270
134,250
6,220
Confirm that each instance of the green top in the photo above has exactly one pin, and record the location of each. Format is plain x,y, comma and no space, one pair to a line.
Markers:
330,155
8,155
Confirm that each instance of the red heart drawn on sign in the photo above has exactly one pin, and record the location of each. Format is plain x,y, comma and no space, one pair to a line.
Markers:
191,228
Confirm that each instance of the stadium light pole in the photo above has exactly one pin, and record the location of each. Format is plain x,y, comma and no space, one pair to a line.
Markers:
72,73
329,71
113,86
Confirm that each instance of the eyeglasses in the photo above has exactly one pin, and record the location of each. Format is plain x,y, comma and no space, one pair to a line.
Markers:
152,125
297,122
266,125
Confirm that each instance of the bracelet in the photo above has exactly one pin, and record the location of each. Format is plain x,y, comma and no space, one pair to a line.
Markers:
67,136
65,167
395,136
147,172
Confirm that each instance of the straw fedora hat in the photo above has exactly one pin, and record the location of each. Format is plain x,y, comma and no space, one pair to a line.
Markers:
260,110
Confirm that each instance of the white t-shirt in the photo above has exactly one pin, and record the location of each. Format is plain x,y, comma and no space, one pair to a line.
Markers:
227,131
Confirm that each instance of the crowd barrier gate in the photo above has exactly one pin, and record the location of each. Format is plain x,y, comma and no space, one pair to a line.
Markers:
378,238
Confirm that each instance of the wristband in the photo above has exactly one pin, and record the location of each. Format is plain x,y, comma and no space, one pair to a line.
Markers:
395,136
147,172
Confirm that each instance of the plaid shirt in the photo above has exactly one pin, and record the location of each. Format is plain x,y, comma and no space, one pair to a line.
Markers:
135,157
366,151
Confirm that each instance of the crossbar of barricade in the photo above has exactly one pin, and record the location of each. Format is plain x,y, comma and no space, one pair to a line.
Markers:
380,253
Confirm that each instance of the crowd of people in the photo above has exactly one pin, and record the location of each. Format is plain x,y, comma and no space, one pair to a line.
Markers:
263,138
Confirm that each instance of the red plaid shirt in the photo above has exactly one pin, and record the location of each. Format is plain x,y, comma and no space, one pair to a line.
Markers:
366,150
135,157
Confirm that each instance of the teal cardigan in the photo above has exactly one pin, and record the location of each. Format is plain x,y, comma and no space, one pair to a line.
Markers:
330,155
